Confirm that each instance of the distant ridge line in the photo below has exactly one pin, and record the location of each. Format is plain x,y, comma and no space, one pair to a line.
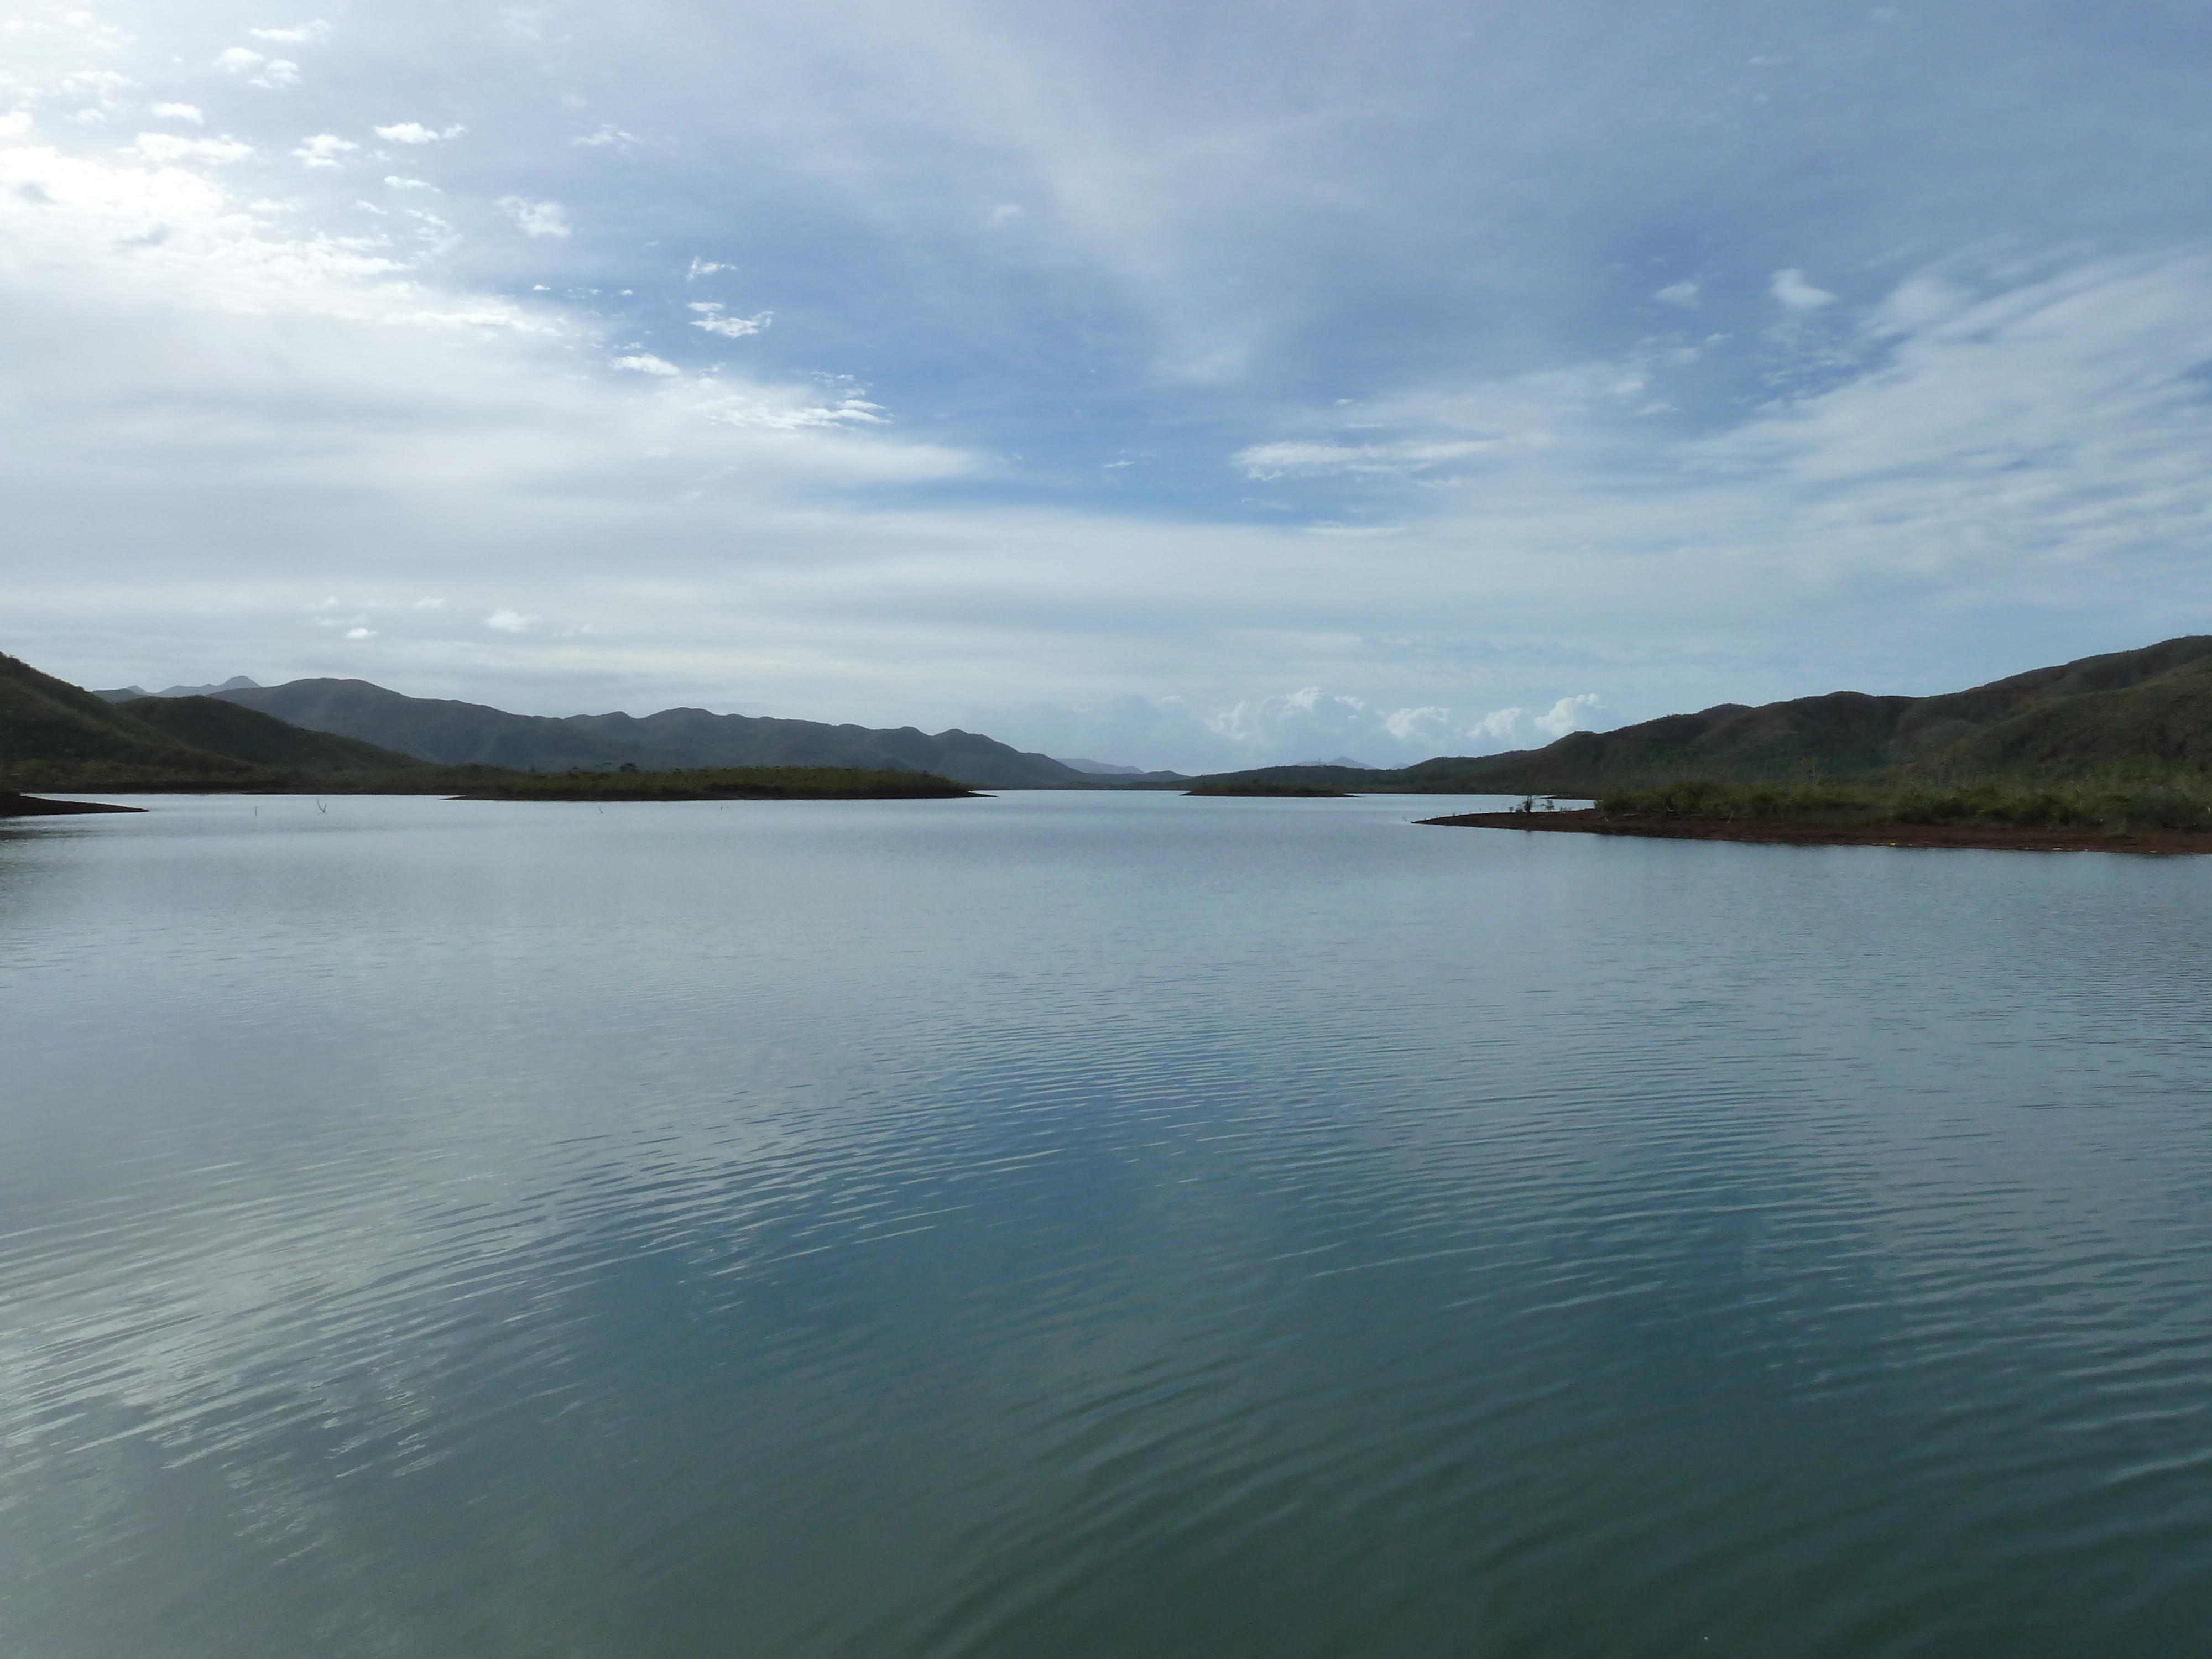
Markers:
451,733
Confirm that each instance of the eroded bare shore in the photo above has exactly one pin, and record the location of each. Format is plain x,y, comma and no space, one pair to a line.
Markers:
1801,833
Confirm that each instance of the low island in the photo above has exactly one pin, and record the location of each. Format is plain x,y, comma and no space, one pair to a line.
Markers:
1246,788
720,783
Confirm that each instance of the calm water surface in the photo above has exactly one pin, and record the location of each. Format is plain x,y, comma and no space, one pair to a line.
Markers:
1079,1226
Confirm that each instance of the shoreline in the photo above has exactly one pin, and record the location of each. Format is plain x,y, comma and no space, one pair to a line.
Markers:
14,805
1799,832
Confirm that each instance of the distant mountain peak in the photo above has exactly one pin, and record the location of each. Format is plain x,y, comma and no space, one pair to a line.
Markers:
1100,768
453,733
236,683
128,693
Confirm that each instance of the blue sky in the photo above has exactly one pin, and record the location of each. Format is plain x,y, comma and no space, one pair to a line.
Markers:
1180,385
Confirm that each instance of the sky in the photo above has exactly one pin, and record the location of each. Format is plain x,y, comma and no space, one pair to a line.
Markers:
1195,385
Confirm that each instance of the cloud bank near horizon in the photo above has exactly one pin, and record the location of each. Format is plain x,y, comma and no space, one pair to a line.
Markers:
1182,386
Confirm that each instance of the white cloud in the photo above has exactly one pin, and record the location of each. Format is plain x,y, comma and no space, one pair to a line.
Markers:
1569,714
1523,727
644,362
15,123
608,136
1421,727
414,132
1684,295
762,412
361,633
324,150
167,147
734,328
536,218
1986,443
1315,725
1311,724
296,34
511,621
1791,291
1323,457
429,604
180,113
277,74
106,85
703,268
1005,213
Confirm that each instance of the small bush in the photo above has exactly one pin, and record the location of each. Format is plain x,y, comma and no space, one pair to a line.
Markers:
2182,803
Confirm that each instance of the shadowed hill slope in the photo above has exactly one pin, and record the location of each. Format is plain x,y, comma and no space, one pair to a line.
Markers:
247,734
44,720
465,734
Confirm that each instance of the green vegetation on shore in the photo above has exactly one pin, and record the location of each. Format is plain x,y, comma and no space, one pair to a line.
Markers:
1247,786
2178,804
719,783
2123,737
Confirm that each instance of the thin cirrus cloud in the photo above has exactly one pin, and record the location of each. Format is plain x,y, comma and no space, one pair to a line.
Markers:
1841,354
296,34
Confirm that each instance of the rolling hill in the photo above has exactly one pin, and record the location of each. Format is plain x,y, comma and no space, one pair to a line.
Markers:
2146,710
2142,714
49,723
465,733
247,734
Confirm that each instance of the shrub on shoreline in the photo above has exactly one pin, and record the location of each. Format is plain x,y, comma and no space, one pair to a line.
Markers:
2180,803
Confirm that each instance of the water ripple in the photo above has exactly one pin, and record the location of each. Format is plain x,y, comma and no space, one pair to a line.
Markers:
1092,1227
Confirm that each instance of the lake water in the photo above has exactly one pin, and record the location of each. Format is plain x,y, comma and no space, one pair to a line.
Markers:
1079,1225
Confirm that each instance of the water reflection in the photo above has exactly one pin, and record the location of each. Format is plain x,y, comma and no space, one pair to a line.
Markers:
1086,1226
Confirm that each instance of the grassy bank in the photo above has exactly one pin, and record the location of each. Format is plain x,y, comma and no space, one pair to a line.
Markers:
2182,803
490,782
1269,788
122,777
722,783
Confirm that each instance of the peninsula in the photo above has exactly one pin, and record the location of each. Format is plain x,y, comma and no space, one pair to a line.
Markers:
1873,825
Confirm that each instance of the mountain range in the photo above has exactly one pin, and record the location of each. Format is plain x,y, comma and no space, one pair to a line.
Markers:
2146,713
451,733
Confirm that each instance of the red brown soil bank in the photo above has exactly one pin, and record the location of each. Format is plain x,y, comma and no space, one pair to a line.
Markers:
33,806
2073,838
